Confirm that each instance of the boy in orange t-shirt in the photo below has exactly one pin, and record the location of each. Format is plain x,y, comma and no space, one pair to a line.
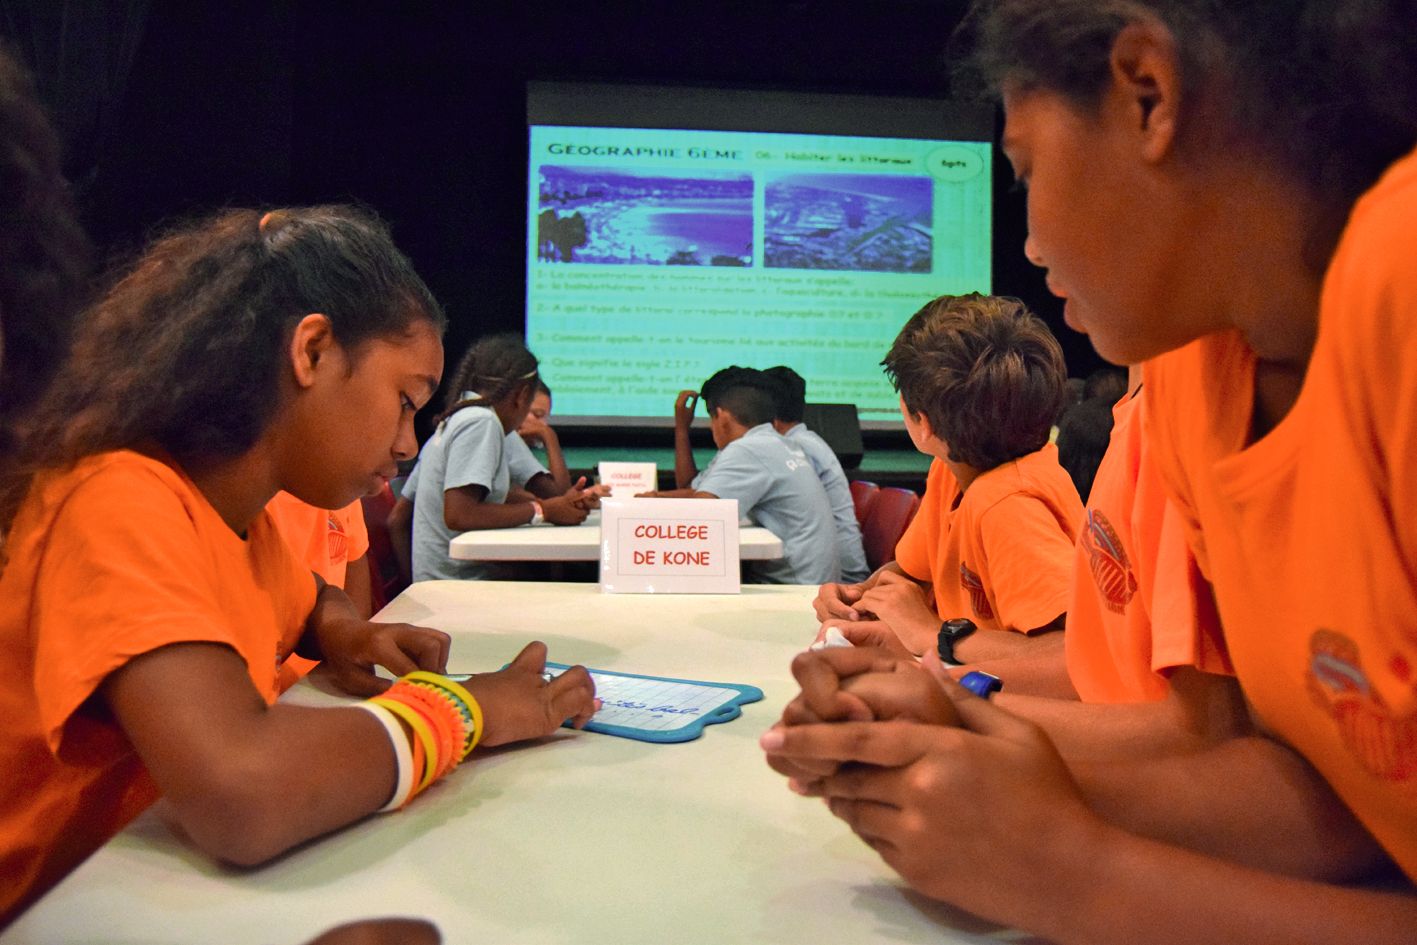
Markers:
981,381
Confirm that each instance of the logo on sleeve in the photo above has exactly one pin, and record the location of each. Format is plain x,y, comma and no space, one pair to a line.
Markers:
1386,747
339,541
977,598
1111,570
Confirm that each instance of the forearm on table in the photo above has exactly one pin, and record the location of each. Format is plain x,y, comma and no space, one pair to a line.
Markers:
467,515
1249,799
246,781
1144,891
1038,672
984,646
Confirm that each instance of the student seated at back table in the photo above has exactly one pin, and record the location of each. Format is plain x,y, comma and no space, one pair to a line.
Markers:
791,403
536,433
980,381
465,467
772,480
522,466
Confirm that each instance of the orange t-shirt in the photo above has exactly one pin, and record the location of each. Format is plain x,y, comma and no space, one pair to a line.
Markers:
326,541
107,561
1139,604
1308,534
1001,552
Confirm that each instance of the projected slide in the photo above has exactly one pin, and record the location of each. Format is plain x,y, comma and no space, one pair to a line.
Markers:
656,257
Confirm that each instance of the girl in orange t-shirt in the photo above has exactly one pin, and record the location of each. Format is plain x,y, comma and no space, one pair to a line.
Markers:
1194,173
147,601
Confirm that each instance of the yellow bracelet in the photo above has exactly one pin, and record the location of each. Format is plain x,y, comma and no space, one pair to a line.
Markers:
419,724
443,682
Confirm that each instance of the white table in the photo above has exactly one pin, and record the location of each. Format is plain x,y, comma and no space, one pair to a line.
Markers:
547,542
581,838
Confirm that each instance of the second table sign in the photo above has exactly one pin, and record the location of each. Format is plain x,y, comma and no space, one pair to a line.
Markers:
627,480
669,546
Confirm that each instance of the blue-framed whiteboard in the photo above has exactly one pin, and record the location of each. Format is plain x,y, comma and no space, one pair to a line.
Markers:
661,708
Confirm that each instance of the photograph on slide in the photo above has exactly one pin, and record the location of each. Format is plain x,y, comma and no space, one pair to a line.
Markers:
860,222
641,217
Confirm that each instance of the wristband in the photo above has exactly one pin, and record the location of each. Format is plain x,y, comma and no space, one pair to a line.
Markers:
403,755
981,684
422,730
536,514
459,693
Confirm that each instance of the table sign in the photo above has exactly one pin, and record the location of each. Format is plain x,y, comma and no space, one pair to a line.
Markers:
627,480
669,546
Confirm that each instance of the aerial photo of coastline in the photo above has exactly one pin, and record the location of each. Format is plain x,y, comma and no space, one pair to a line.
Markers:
871,222
610,215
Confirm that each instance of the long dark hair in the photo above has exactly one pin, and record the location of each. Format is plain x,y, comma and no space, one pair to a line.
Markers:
185,351
44,255
495,367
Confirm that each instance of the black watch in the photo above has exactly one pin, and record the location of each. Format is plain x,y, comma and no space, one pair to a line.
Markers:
951,632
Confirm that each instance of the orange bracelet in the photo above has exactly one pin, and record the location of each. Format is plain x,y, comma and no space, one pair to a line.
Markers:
460,695
446,722
422,729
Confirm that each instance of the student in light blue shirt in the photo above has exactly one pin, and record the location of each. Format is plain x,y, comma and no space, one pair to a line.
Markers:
772,480
467,470
791,404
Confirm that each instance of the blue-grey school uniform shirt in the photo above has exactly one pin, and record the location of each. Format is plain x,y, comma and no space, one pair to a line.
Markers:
467,449
848,531
777,488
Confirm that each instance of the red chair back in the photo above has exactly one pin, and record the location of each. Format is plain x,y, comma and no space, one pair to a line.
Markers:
863,496
891,513
385,581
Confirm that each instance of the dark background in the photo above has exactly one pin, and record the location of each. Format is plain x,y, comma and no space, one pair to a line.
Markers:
171,108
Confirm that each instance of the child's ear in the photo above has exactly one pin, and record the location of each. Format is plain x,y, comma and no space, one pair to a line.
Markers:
1146,84
312,341
927,432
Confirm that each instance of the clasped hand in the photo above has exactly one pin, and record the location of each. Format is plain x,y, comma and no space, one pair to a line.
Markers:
967,802
893,613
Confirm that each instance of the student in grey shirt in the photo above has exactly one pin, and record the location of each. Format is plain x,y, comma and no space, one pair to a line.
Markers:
465,471
791,404
772,480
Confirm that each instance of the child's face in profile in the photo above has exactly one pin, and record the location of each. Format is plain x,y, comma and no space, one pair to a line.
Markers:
536,416
719,421
1105,219
354,425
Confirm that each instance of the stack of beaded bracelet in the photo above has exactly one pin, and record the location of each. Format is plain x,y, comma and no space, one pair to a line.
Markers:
446,722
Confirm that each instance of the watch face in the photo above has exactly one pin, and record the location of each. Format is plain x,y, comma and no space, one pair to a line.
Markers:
957,629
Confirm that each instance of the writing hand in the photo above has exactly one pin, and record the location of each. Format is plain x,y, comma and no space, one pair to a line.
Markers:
352,648
517,703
